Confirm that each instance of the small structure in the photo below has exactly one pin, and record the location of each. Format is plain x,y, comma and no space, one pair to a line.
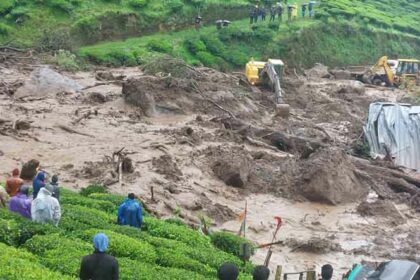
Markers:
393,130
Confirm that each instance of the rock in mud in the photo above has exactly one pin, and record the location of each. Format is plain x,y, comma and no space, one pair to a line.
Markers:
233,171
318,71
127,165
45,81
341,74
328,176
139,92
29,169
22,125
97,97
352,87
166,166
382,209
314,245
108,76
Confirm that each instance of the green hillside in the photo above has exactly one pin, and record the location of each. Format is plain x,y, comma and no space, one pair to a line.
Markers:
162,250
54,24
343,32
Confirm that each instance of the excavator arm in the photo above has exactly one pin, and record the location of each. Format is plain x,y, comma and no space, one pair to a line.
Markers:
383,64
274,78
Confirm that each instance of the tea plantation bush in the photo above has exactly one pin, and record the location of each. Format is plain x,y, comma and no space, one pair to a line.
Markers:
161,250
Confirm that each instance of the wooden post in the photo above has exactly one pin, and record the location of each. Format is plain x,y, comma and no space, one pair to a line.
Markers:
311,275
153,193
278,272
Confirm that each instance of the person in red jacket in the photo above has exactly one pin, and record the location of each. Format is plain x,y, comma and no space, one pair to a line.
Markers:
13,183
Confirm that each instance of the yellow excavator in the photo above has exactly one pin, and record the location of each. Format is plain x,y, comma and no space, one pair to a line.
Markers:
401,72
269,73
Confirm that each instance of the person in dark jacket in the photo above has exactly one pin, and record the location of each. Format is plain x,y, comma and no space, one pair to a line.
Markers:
304,6
38,183
228,271
21,203
326,272
289,13
252,12
130,212
280,12
263,13
54,188
99,266
260,272
272,13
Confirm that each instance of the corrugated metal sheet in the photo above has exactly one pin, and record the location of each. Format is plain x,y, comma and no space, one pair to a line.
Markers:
395,129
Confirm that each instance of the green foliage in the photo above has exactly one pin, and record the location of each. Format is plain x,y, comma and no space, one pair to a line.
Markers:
228,242
175,221
65,60
137,3
41,244
195,45
4,29
9,232
77,217
124,246
6,6
96,188
56,39
160,46
19,264
116,200
61,5
105,206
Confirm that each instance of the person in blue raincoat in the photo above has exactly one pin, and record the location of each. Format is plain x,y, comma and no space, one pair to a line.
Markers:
38,183
130,212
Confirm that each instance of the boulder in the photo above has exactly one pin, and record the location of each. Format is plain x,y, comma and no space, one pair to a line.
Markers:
234,172
318,71
327,176
139,92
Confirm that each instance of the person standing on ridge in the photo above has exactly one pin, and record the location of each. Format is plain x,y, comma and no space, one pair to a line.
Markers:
228,271
326,272
280,12
130,212
260,272
251,15
273,13
263,13
53,186
99,266
13,183
45,208
21,203
304,5
289,13
38,183
311,8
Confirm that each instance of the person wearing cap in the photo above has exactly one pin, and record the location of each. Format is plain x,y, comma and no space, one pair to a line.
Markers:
53,186
21,203
280,12
326,272
289,13
38,183
304,5
228,271
99,265
130,212
260,272
45,208
13,183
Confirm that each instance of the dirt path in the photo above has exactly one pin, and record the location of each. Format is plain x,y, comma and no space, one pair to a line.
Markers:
175,154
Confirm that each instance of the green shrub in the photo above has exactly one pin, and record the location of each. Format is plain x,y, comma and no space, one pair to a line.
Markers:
67,262
229,243
207,59
105,206
130,269
65,60
6,6
9,232
4,29
77,217
195,45
124,246
53,39
19,264
61,5
213,45
40,244
176,221
162,46
159,228
96,188
137,3
175,5
116,200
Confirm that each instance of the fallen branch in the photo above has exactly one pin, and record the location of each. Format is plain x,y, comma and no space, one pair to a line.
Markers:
85,116
11,49
71,130
260,144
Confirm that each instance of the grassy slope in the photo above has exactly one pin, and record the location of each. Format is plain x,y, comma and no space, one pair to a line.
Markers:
344,32
162,250
88,21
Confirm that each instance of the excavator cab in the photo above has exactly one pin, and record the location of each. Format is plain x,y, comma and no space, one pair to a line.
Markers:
407,72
